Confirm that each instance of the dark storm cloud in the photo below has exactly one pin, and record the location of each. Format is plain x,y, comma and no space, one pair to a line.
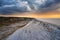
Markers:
16,6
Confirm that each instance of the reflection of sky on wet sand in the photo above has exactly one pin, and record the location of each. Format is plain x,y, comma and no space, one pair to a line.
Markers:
55,21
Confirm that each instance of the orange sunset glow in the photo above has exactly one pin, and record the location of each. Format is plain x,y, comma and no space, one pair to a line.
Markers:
53,14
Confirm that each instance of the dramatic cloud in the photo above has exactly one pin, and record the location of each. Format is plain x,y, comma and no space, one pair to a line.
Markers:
16,6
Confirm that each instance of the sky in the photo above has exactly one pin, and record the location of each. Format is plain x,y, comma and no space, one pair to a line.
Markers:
19,6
